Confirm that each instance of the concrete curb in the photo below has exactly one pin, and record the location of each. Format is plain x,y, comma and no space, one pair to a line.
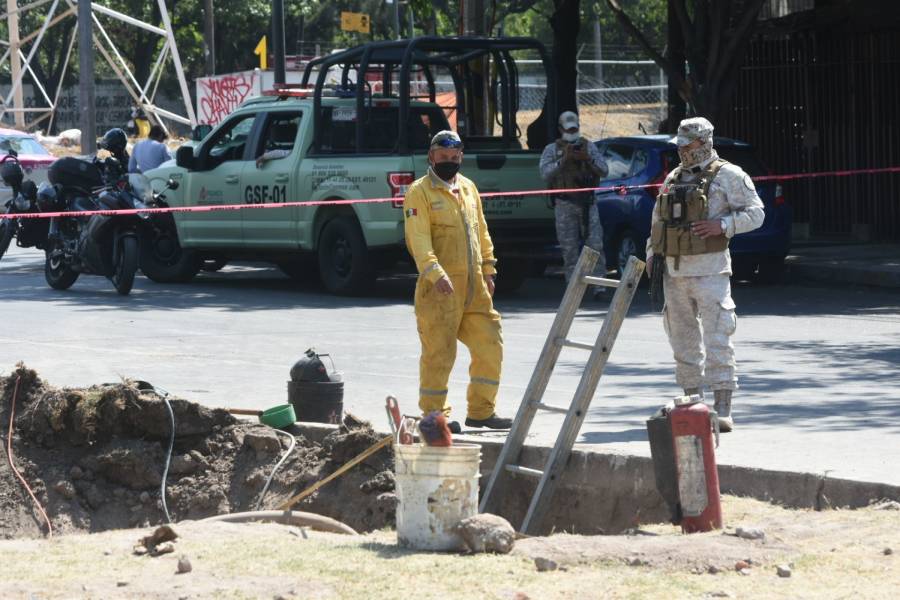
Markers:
842,274
608,493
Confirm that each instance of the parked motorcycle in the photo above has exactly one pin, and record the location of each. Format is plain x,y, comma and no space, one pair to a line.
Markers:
106,245
28,233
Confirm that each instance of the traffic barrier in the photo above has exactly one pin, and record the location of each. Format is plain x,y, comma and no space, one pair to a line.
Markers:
622,189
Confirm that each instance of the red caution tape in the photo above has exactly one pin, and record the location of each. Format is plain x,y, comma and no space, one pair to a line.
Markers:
621,189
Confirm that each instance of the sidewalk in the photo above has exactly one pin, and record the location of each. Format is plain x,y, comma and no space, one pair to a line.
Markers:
862,264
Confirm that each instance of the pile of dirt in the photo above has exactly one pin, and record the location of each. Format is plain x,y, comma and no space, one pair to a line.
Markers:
94,457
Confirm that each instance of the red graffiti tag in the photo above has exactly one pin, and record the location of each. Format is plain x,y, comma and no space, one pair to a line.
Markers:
221,95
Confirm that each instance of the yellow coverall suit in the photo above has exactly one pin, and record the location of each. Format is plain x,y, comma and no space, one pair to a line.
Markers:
446,235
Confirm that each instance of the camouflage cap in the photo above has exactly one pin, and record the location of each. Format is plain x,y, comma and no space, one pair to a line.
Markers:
446,139
695,128
568,120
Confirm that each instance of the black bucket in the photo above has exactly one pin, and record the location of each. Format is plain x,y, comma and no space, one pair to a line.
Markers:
317,402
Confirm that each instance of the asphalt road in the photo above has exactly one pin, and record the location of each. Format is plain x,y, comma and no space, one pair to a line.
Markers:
820,390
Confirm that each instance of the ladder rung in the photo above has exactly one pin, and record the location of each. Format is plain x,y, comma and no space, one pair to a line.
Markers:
552,408
525,471
590,280
572,344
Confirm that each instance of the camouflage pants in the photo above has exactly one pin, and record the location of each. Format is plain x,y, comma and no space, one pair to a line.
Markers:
571,235
699,319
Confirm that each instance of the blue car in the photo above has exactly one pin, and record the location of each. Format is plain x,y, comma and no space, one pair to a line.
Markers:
625,213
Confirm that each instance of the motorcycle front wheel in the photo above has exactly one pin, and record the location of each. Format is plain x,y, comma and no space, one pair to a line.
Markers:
58,275
126,265
7,230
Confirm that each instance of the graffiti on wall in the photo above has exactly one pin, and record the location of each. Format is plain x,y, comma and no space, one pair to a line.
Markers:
218,96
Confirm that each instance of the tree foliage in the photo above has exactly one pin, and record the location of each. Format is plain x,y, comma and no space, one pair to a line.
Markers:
716,35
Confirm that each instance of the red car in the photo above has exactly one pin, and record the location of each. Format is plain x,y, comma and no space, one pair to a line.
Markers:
34,158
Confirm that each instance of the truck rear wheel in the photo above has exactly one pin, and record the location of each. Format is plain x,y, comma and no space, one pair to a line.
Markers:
511,274
344,262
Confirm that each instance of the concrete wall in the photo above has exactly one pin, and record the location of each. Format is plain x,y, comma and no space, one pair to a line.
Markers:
608,493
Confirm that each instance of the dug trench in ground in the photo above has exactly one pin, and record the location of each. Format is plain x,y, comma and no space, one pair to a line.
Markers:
94,458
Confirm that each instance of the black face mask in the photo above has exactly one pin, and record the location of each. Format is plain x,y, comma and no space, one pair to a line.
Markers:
446,170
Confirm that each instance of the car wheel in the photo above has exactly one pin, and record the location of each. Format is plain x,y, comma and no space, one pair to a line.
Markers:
163,260
344,264
628,245
743,268
770,270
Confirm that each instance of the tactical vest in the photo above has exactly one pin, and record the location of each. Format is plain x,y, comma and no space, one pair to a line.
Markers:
679,206
574,174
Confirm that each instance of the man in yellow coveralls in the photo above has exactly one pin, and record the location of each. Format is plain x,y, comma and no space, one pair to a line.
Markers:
447,236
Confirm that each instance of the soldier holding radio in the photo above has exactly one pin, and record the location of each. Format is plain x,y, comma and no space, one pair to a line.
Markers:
574,162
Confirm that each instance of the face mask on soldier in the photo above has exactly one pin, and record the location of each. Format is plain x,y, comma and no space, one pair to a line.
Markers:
691,157
571,137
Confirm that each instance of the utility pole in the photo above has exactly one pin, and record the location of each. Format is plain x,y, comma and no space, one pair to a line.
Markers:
15,61
396,4
278,39
598,42
209,37
86,100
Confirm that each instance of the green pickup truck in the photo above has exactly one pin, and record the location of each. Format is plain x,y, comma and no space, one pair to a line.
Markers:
351,145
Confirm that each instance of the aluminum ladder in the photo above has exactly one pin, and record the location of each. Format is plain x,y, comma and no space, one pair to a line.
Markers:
577,410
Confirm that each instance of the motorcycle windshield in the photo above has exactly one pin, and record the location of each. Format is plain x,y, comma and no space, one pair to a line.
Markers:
140,185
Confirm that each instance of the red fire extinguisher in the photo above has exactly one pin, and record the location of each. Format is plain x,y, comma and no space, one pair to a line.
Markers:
693,425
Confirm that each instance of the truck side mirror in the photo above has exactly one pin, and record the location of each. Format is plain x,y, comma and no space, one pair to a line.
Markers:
200,131
184,157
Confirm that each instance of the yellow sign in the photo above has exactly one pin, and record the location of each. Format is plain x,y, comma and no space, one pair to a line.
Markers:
262,52
355,22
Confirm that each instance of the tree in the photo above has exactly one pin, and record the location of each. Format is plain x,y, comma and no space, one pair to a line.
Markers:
565,22
716,34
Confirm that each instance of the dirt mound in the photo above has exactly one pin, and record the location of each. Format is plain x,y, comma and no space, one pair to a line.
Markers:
95,458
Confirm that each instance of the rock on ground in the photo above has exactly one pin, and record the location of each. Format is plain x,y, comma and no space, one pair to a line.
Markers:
487,533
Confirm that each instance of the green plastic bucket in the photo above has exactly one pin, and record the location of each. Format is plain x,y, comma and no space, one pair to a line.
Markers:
278,416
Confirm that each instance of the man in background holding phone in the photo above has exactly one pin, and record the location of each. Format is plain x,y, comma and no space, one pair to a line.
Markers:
574,162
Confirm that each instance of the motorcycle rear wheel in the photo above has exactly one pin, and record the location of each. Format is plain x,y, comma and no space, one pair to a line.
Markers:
7,230
126,265
58,275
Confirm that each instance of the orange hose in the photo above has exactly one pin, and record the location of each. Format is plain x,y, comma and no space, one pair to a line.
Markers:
9,455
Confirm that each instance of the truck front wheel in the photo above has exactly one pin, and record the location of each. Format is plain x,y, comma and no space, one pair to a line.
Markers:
344,262
163,260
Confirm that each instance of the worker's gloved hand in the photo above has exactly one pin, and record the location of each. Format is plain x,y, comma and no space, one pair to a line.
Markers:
489,281
444,286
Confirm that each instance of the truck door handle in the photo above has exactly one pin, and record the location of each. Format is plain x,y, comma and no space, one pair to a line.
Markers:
282,179
231,179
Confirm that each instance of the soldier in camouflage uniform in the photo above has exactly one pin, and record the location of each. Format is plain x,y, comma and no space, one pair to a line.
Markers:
574,162
703,203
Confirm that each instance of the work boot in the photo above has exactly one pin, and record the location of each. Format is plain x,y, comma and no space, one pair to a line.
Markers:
723,409
492,422
454,427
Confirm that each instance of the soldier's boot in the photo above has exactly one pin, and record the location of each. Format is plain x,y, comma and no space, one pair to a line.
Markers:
723,409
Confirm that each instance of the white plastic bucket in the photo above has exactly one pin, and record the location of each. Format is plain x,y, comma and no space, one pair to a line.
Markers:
437,488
